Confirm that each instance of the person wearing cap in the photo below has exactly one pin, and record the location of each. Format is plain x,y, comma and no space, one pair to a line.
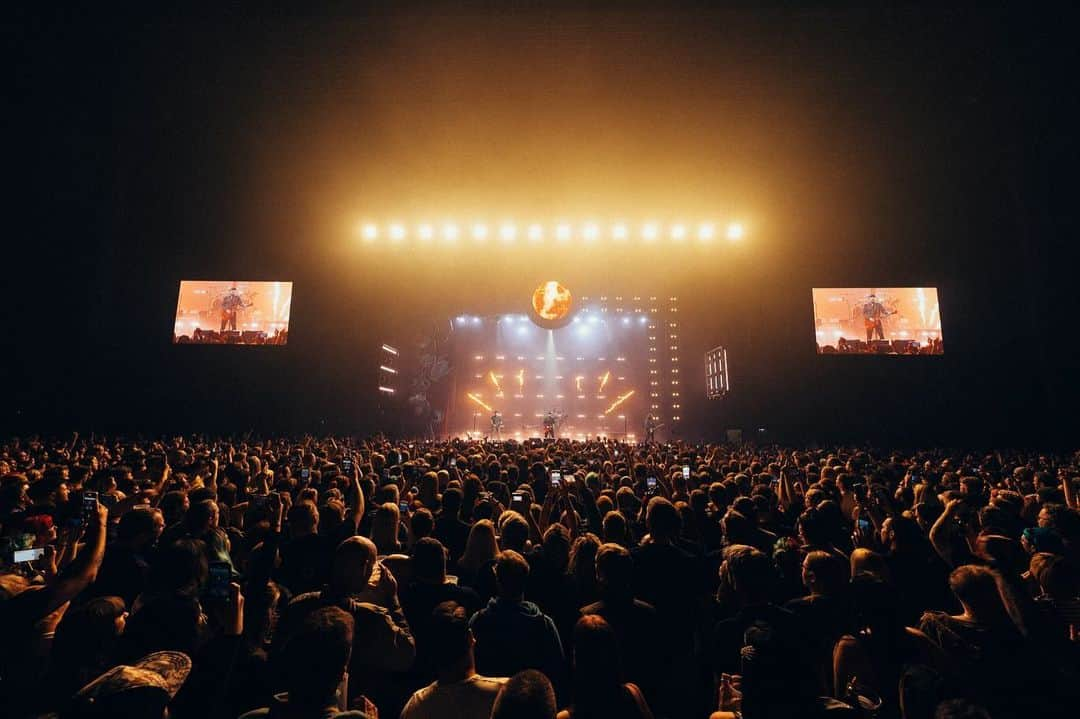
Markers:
141,690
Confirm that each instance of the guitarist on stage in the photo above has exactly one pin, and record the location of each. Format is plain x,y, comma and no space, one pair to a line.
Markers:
496,424
873,313
549,425
230,305
651,425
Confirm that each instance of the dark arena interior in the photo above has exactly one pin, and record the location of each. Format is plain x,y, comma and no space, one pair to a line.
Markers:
541,359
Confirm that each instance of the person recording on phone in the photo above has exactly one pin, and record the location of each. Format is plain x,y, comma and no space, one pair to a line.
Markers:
22,612
202,522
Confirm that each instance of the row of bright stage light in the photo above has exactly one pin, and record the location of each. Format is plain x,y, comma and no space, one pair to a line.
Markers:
509,233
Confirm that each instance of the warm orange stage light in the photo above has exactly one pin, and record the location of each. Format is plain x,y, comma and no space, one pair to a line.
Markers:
479,401
619,401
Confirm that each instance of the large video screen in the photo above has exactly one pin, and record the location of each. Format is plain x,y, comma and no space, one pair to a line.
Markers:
230,312
878,320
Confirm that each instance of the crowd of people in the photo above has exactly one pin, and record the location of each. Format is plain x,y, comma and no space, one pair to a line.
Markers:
339,577
232,337
883,347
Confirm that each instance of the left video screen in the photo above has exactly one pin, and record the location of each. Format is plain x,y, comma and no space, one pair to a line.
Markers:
231,312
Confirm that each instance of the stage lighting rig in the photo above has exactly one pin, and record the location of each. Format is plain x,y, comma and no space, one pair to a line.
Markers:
564,232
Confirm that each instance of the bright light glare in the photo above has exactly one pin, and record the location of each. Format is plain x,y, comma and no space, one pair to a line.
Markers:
564,232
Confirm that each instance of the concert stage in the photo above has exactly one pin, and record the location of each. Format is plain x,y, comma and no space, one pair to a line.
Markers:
602,366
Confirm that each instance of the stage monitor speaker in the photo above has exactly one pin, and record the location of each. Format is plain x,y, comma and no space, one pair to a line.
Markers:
904,346
881,347
253,336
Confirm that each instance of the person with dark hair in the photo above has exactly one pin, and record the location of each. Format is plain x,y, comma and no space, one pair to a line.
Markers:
305,558
526,695
874,656
449,529
581,570
548,585
981,643
747,577
127,563
201,523
598,687
641,636
457,690
825,612
665,574
315,662
168,614
513,634
85,646
428,589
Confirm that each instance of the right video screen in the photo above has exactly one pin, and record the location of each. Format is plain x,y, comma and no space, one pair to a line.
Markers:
878,320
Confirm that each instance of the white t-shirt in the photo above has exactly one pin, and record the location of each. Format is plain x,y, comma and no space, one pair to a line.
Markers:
470,699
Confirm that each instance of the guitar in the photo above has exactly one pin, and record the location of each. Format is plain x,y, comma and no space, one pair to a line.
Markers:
871,322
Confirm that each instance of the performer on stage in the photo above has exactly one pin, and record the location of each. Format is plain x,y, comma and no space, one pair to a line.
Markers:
651,425
496,424
873,313
230,305
549,424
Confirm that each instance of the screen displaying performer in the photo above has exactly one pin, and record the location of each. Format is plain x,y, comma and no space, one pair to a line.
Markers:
878,320
232,312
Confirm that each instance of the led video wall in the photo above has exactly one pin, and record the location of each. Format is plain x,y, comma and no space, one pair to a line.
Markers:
231,312
878,320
